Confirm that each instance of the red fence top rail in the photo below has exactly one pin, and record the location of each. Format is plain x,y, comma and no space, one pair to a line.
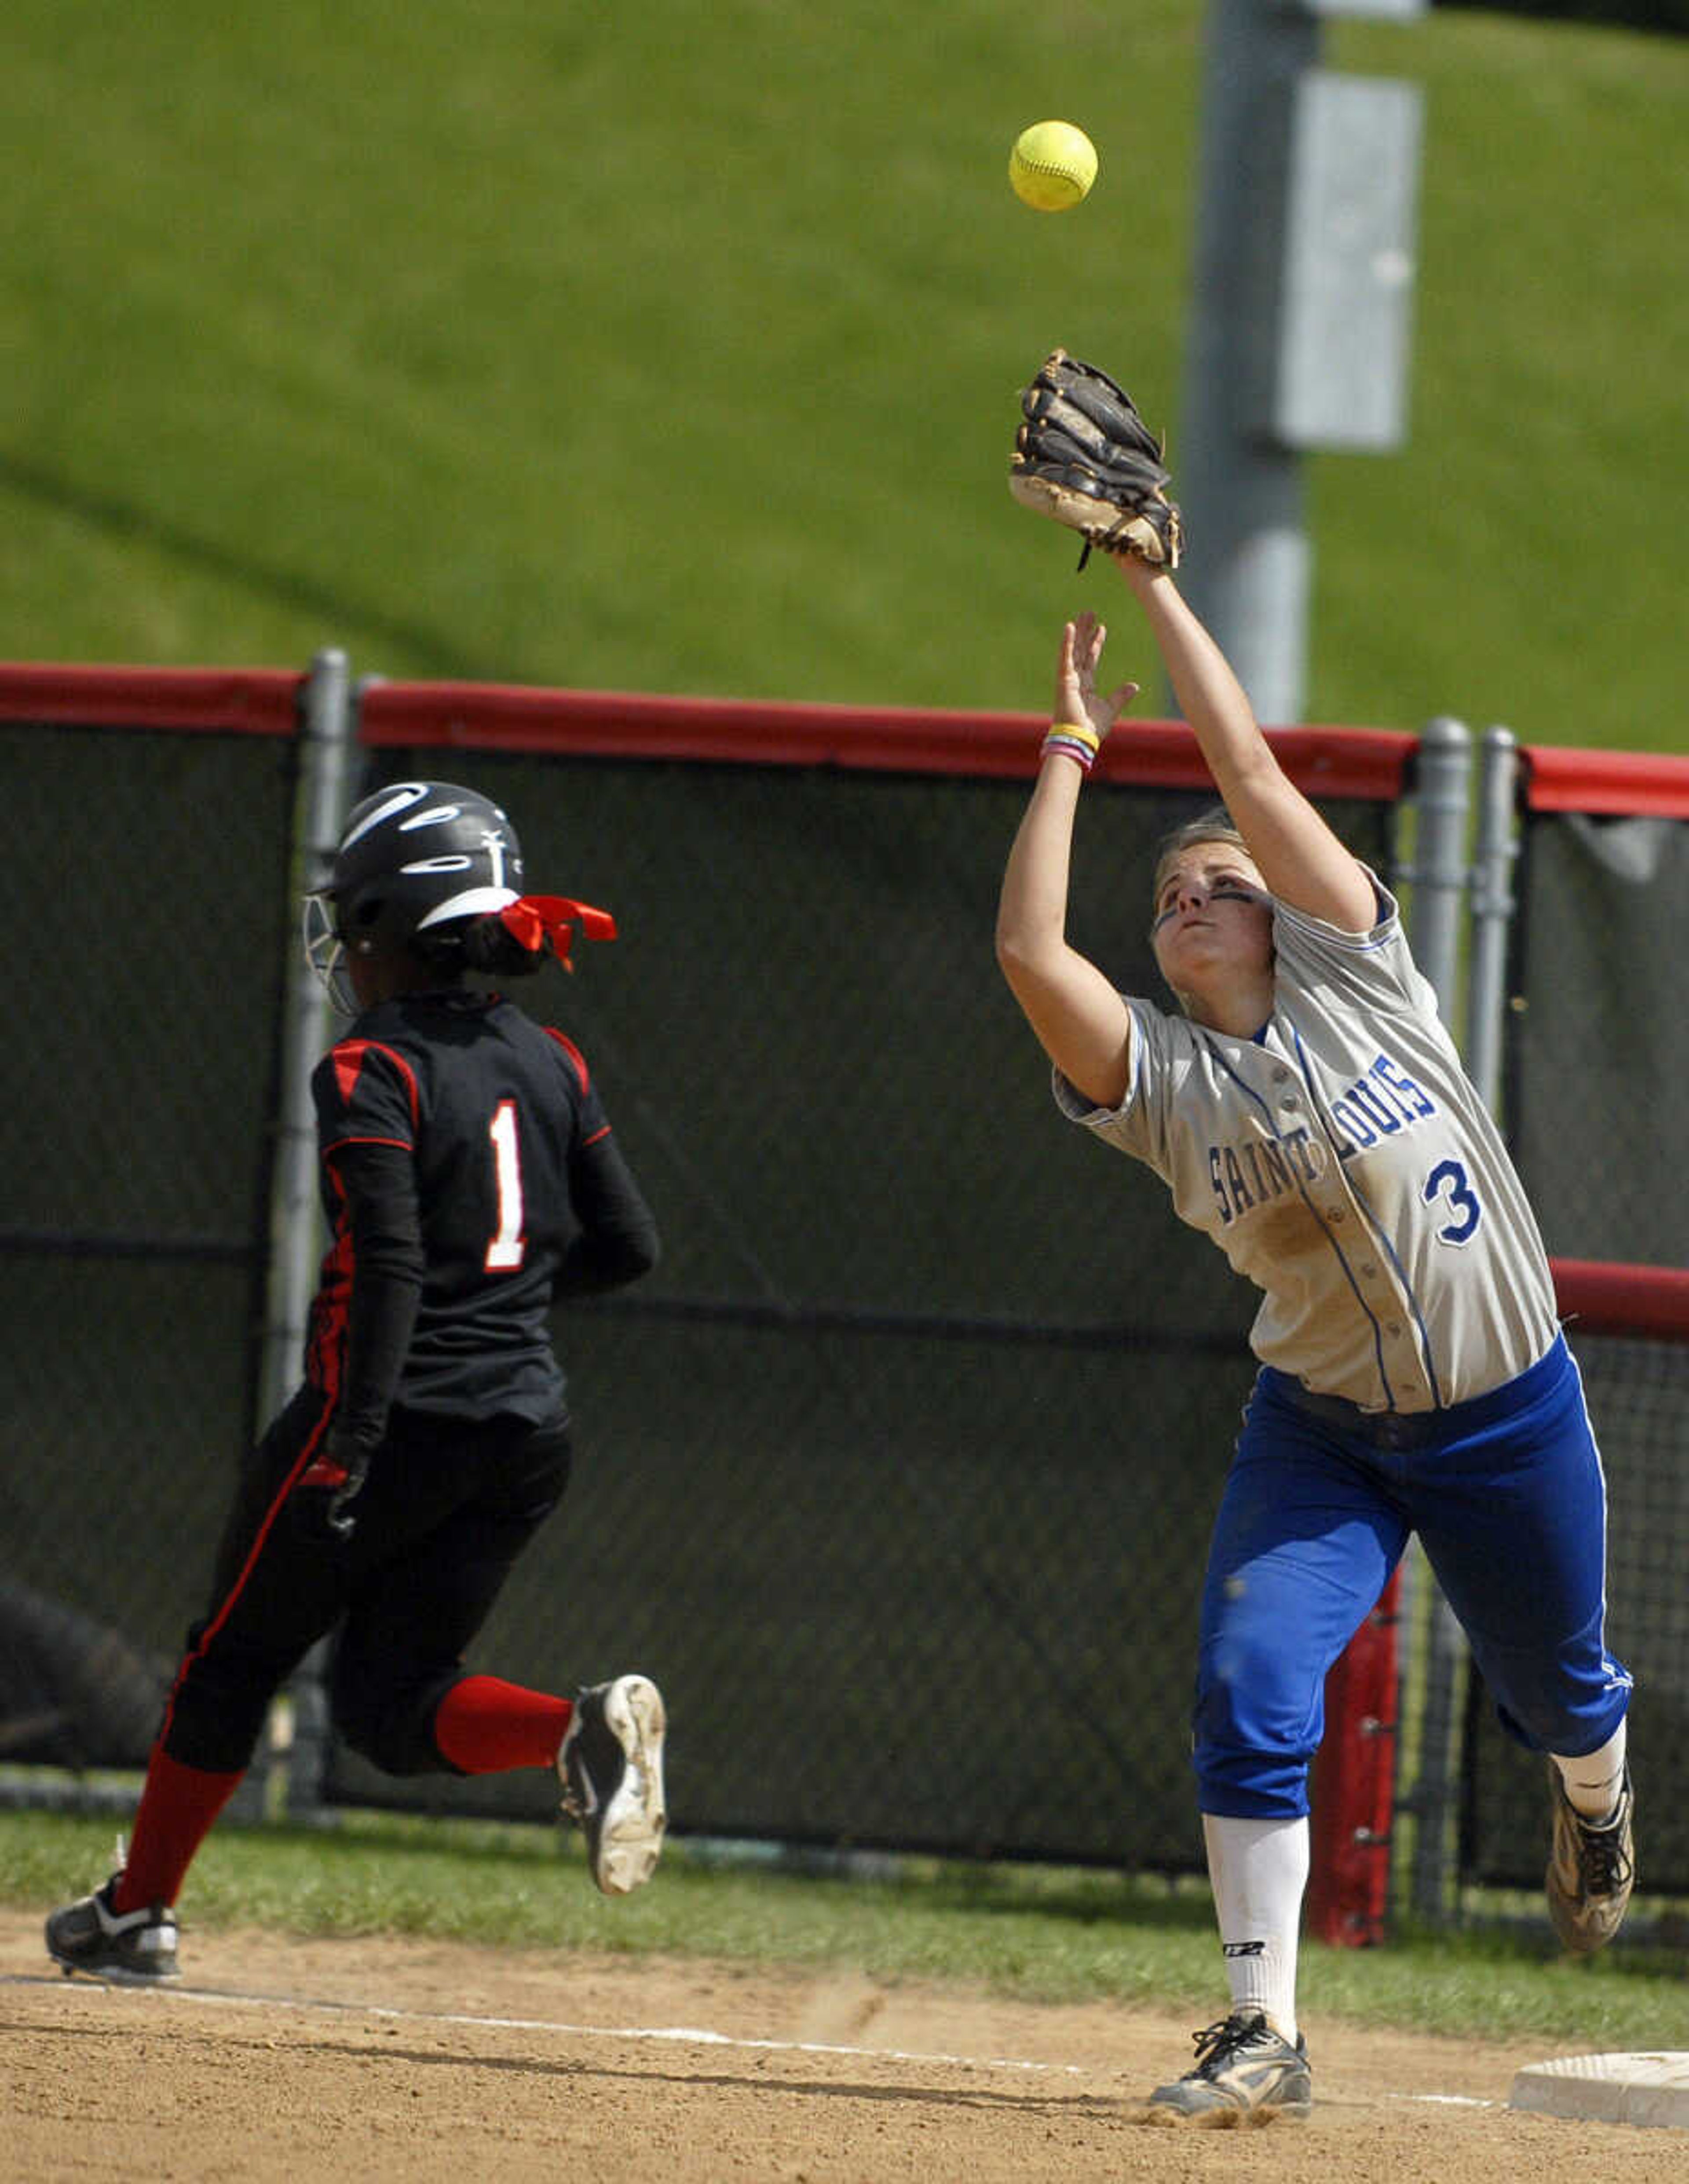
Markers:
1637,784
1610,1298
1348,763
1361,763
239,701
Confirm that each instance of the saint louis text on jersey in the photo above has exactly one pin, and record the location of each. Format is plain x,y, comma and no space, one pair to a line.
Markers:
1252,1171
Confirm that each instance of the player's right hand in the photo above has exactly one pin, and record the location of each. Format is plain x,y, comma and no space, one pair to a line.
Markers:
1078,698
324,1502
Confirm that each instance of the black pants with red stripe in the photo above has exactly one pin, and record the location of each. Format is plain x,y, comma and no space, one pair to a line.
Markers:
448,1506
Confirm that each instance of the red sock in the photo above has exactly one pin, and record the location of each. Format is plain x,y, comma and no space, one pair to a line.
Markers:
178,1808
486,1727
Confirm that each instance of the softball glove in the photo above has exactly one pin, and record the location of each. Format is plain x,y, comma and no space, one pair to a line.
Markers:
1084,456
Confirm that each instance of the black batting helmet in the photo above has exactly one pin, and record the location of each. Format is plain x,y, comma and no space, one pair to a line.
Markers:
415,857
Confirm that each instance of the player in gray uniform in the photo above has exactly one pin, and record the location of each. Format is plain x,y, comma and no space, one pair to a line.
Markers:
1308,1111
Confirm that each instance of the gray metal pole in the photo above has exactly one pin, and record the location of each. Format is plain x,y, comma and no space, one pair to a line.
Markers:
1440,873
320,806
1249,571
328,751
1439,869
1494,850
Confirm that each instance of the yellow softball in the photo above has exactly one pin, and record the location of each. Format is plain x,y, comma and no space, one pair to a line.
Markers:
1052,166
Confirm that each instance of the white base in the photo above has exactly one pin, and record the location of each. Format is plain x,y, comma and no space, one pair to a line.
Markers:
1639,2089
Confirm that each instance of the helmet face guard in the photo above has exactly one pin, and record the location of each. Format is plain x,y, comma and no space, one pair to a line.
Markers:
326,953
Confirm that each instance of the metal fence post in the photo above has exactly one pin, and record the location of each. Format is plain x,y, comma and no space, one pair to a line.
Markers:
319,807
326,751
1438,871
1492,907
1438,874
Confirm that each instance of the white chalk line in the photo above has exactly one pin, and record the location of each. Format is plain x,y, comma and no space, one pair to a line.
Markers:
682,2035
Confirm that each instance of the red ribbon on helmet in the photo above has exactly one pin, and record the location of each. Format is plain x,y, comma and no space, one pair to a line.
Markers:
537,918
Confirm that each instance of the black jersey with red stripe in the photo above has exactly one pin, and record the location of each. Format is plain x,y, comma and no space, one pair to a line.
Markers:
461,1139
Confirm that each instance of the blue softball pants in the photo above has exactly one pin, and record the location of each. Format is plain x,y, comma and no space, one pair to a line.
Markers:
1507,1494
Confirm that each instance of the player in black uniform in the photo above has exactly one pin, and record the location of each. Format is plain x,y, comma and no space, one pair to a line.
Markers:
468,1176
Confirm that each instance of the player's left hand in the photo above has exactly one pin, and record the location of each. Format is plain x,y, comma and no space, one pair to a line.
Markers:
1085,456
1078,700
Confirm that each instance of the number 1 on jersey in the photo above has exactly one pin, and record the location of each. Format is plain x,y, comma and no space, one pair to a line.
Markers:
509,1246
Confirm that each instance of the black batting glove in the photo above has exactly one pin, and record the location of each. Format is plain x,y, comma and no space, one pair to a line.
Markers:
326,1497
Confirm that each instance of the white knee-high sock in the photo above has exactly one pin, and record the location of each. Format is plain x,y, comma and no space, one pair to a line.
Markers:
1593,1782
1258,1869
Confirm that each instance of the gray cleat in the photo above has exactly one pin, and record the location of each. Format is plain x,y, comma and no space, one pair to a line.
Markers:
1242,2066
1591,1870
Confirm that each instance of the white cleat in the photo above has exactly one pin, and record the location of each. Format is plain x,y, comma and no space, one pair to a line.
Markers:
611,1767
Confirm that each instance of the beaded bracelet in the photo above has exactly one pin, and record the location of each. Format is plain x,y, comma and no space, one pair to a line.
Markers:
1079,744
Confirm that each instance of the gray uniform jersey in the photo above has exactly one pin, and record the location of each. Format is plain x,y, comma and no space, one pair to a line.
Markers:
1343,1159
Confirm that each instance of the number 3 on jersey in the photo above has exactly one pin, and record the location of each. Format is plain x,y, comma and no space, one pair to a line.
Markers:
1447,1179
508,1246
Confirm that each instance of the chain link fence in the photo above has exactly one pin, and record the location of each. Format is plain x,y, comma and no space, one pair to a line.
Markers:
897,1476
147,886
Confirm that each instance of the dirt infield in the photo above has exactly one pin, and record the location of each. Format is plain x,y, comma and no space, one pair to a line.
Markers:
284,2062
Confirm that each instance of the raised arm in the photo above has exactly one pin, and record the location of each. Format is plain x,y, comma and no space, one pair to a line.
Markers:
1301,861
1080,1020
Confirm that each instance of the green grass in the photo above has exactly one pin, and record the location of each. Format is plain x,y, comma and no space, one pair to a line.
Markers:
1038,1934
675,348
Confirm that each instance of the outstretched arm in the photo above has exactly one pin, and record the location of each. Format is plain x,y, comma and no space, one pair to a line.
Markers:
1081,1022
1301,861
